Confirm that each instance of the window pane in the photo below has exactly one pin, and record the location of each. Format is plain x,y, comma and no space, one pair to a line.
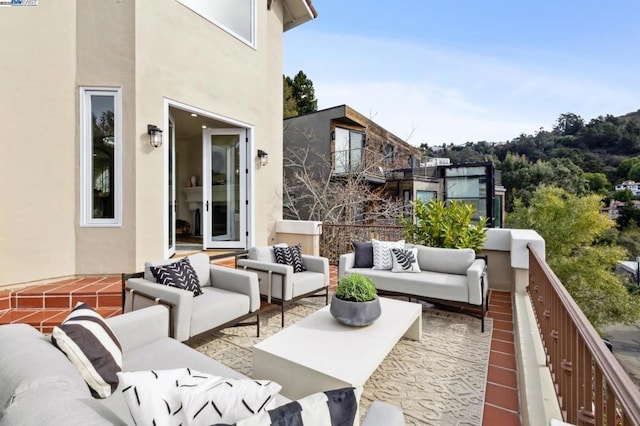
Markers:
103,156
235,15
356,140
341,156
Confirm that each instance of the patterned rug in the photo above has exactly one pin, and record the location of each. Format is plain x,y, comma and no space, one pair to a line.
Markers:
439,380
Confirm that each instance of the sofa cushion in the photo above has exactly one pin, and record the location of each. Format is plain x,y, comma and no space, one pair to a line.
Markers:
363,252
92,347
448,261
333,407
178,274
291,256
187,396
28,362
405,260
55,406
382,253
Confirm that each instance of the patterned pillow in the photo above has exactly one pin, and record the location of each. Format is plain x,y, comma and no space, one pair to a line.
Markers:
405,260
178,274
382,253
334,407
291,256
91,346
363,254
186,396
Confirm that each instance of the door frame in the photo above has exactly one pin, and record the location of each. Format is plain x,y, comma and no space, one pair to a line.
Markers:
250,163
208,241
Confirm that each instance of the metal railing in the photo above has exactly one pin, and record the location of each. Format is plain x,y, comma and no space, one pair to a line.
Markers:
336,238
591,386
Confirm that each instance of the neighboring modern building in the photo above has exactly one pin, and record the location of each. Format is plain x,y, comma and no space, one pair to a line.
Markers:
632,186
339,141
85,86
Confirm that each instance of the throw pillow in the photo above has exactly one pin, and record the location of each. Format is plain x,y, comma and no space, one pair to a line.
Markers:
90,344
291,256
178,274
405,260
334,407
186,396
382,253
363,253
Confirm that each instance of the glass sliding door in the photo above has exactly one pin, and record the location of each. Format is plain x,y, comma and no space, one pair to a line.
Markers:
224,181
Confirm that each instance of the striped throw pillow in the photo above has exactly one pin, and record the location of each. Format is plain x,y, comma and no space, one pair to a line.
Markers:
89,343
337,407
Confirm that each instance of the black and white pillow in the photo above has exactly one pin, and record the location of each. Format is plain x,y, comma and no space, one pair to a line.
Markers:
382,253
90,344
405,260
330,408
291,256
185,396
178,274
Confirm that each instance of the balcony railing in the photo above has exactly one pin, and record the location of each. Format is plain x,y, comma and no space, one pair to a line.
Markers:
591,386
336,238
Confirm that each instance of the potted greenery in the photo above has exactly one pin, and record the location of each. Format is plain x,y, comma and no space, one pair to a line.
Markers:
355,302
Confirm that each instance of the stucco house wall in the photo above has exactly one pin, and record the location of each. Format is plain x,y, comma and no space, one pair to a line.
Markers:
155,52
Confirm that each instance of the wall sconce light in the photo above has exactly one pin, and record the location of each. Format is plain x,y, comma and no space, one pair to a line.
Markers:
264,157
155,135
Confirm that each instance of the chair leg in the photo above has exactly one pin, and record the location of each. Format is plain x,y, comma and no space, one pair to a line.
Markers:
282,310
326,296
258,324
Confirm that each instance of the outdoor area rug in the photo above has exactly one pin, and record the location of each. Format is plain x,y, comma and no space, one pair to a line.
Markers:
439,380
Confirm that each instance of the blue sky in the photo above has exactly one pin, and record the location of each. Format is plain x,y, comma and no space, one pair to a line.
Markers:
458,71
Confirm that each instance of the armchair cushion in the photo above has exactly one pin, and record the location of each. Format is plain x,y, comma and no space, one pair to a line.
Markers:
178,274
291,256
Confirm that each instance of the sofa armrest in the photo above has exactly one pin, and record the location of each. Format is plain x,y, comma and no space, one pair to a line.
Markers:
475,275
346,262
238,281
317,264
265,266
137,328
383,414
182,301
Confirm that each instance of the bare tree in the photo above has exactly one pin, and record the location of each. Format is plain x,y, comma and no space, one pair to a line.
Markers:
314,191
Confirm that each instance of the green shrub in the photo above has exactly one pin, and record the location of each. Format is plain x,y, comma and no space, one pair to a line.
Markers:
449,226
356,288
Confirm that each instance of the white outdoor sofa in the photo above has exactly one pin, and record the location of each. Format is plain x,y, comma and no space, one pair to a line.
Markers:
455,276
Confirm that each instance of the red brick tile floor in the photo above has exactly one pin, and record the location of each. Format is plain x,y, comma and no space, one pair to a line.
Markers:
44,306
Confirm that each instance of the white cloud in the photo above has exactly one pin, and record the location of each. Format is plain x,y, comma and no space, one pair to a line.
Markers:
449,95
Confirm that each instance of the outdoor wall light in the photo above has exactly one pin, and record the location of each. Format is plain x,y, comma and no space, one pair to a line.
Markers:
264,157
155,135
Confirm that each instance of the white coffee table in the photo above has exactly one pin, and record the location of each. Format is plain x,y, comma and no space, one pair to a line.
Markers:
317,353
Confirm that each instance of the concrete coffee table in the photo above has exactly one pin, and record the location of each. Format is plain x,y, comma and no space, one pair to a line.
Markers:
317,353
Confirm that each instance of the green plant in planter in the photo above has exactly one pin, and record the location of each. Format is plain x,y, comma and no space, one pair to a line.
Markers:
449,226
355,287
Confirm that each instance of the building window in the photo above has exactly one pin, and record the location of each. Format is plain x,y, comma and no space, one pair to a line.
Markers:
237,17
388,153
471,185
100,157
425,196
348,156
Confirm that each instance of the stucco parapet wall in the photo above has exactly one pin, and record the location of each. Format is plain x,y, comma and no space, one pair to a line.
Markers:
515,241
301,227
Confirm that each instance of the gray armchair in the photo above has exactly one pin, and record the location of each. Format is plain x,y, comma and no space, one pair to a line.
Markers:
280,284
229,296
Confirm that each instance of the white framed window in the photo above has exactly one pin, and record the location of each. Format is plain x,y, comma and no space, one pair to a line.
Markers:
237,17
100,156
